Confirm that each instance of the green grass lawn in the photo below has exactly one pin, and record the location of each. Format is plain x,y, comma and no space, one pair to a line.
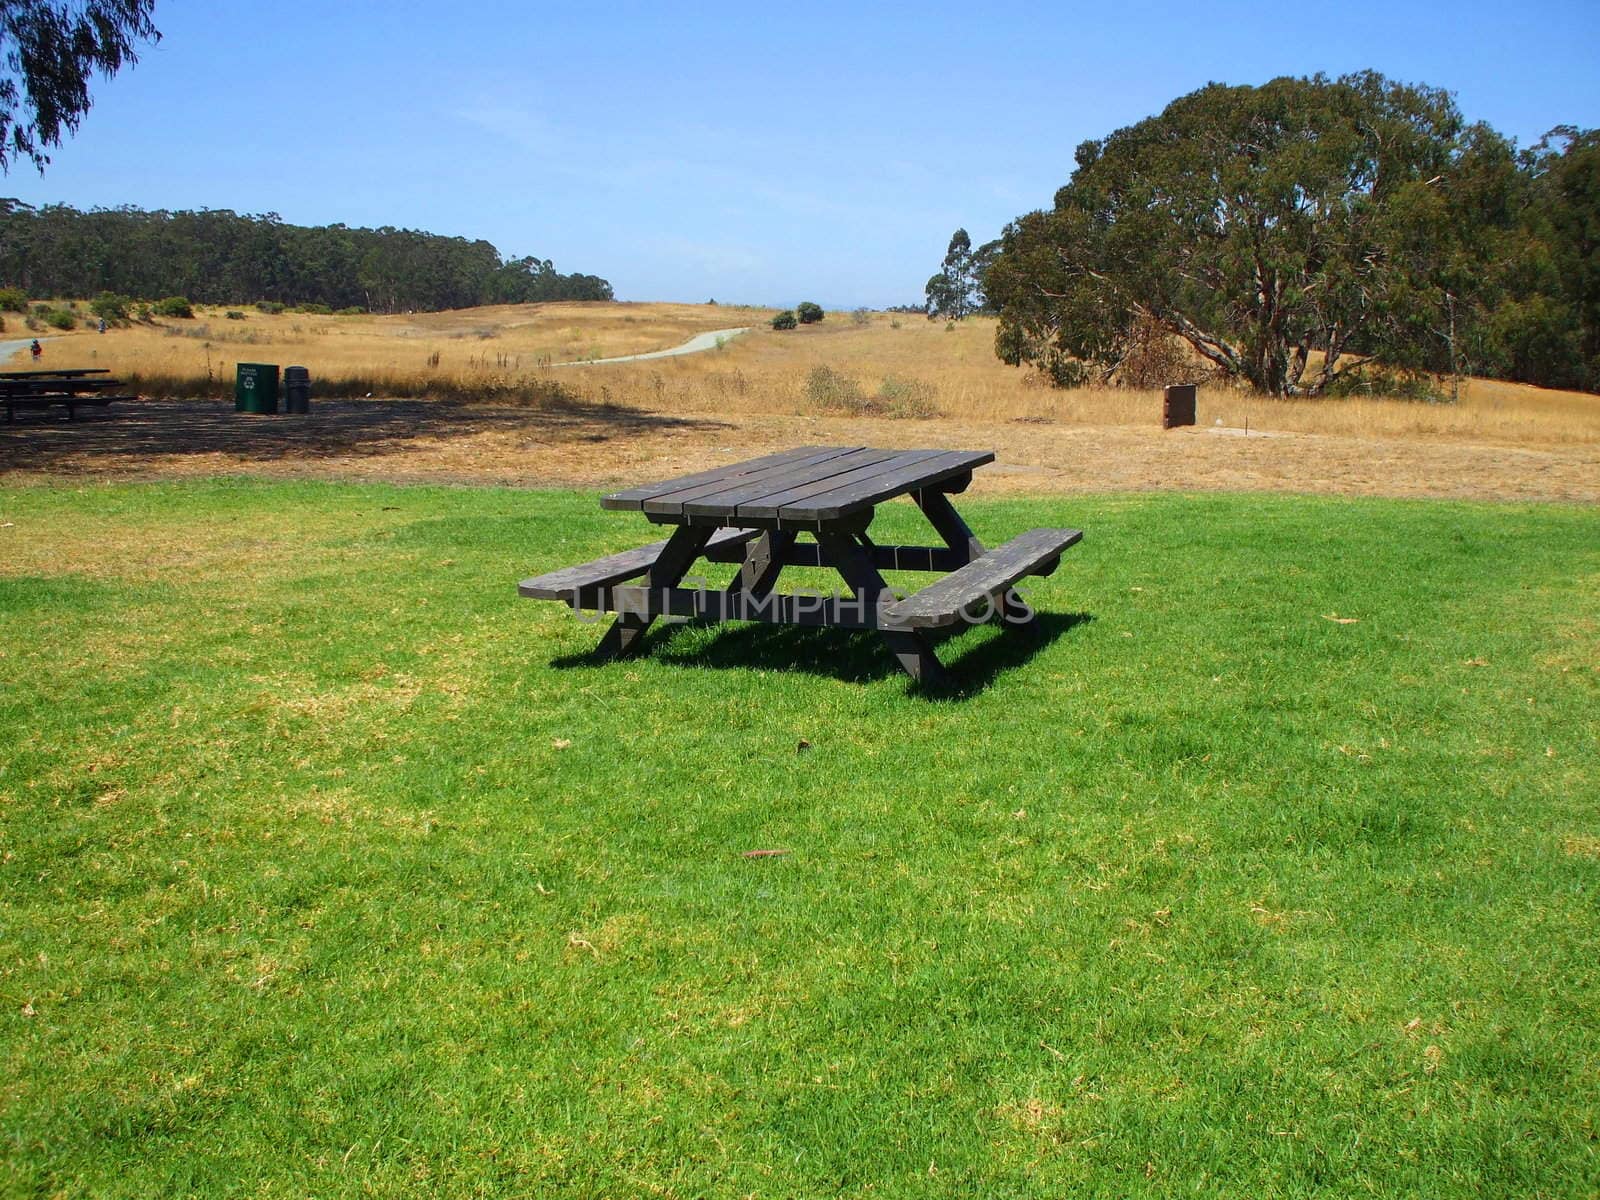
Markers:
327,867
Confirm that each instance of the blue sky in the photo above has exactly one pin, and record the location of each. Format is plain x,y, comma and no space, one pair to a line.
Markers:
764,152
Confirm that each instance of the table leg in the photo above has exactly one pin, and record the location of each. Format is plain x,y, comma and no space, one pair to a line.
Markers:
942,515
910,648
677,556
958,535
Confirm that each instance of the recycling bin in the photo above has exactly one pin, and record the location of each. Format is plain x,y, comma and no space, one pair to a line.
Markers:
255,388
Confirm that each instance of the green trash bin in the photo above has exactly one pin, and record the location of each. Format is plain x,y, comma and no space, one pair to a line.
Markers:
255,388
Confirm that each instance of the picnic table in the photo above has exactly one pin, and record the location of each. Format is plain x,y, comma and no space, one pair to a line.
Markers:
71,389
755,514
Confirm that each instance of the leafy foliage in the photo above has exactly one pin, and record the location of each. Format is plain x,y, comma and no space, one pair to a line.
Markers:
221,257
808,313
1536,316
110,306
173,306
48,51
13,300
1286,232
784,320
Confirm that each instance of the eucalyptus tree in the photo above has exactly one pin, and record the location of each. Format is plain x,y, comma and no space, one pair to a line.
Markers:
1288,233
48,53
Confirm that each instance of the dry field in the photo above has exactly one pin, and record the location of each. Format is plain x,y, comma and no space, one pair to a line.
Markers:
466,397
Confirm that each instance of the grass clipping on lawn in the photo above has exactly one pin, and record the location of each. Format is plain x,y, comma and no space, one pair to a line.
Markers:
331,867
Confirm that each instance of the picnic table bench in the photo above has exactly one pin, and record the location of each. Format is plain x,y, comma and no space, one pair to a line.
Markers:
753,513
71,389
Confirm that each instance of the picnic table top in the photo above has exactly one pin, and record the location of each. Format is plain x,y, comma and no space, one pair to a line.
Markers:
56,383
808,486
71,373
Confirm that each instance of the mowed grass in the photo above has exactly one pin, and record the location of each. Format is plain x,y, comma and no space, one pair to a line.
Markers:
327,867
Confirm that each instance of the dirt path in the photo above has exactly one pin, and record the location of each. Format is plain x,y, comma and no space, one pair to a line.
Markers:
700,341
587,445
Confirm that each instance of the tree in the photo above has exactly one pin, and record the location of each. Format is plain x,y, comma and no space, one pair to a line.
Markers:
784,320
1289,233
48,50
808,313
957,290
1542,323
219,257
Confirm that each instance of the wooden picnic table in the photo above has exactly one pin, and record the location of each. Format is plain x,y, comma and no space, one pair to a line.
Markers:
70,389
755,513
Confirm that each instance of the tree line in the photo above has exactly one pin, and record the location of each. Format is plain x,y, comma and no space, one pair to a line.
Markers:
1306,237
215,256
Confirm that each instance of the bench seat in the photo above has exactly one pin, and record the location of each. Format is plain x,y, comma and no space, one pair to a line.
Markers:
1036,552
567,583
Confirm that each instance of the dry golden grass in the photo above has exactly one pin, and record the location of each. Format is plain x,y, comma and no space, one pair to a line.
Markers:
487,412
468,352
500,352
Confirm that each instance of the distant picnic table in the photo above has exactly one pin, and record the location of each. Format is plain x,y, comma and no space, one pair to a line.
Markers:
70,389
754,513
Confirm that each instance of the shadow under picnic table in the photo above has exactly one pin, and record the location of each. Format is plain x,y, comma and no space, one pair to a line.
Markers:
848,655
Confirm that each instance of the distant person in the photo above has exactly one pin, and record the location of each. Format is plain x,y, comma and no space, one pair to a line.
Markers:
102,324
37,349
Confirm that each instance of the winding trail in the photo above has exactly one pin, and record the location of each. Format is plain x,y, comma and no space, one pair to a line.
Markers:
700,341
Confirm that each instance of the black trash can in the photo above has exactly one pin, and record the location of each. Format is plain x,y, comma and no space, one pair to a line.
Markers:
255,388
296,390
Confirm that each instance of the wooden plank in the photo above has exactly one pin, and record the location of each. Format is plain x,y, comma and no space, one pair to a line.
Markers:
724,502
945,600
885,558
926,471
632,499
614,568
714,606
775,504
765,479
57,373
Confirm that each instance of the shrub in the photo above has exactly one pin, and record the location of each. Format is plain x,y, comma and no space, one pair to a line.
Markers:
352,311
271,307
13,299
808,313
906,397
142,313
314,310
861,316
827,388
110,306
234,314
784,320
173,306
2,324
59,318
